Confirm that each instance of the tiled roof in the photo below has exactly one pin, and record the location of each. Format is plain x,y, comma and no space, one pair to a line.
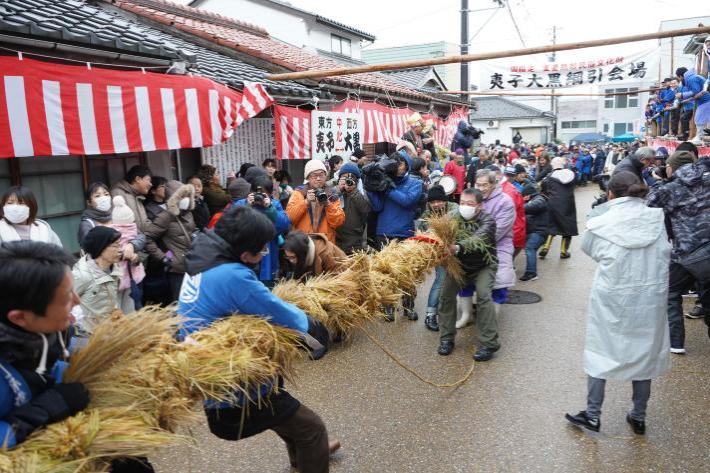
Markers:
104,27
200,24
499,107
417,78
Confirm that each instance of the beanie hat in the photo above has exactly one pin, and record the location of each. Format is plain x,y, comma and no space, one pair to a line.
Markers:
314,165
459,151
529,189
122,213
436,193
252,173
239,188
98,239
661,152
679,158
350,168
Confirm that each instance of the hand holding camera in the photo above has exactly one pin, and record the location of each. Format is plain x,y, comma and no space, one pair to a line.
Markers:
259,198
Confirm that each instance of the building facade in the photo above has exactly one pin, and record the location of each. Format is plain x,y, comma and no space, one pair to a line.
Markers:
501,119
673,54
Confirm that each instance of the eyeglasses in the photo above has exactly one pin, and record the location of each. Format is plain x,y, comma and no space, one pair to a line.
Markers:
317,175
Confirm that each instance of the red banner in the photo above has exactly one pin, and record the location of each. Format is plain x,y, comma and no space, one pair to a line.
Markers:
54,109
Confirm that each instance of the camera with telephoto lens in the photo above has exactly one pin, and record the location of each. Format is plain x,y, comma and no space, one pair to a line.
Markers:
349,182
321,196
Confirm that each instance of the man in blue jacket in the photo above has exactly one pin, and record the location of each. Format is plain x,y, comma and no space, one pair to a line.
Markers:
397,209
220,282
696,89
463,139
36,297
666,96
584,166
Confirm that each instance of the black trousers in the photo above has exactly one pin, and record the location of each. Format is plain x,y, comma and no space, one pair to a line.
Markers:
675,118
685,117
680,280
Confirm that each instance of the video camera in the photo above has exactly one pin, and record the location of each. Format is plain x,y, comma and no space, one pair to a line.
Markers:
379,175
474,132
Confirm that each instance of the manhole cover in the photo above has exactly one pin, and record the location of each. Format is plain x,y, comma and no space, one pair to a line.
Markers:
522,297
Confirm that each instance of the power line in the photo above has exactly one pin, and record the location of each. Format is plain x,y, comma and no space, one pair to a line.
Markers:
515,23
484,24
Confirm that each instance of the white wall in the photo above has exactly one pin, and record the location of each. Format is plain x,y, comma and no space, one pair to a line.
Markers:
622,115
533,130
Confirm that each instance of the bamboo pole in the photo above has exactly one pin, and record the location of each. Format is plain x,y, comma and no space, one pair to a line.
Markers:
544,94
342,71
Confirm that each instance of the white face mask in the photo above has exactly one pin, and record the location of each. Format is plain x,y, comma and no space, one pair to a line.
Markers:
184,203
467,212
103,203
16,213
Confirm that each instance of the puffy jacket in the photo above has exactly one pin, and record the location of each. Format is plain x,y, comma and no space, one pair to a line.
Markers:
519,235
584,163
174,229
695,84
461,139
458,172
269,266
690,104
537,214
301,215
136,202
558,187
502,209
323,256
349,236
397,207
667,96
686,201
477,241
28,400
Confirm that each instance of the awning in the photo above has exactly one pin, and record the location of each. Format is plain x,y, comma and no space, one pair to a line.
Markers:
382,124
51,109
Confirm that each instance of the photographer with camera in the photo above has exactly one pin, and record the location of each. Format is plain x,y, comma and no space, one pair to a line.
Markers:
464,137
314,208
260,200
350,235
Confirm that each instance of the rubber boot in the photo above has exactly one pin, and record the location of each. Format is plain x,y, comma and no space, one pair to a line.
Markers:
466,304
546,247
564,247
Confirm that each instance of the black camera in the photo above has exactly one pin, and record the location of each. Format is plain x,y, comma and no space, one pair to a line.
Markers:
321,196
259,198
474,132
349,182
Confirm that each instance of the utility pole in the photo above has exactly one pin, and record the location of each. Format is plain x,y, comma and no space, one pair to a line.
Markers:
464,47
553,99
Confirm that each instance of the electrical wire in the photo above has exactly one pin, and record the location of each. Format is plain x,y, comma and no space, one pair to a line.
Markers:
483,25
515,23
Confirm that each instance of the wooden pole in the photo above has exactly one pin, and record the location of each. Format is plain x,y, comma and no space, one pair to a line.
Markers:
546,94
342,71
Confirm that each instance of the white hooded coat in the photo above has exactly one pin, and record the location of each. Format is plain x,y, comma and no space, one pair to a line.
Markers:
627,329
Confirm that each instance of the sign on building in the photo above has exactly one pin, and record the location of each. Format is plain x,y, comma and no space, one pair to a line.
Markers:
535,74
251,142
334,133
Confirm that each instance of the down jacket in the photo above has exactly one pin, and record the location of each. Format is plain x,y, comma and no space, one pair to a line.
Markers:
559,189
302,215
172,230
501,208
519,227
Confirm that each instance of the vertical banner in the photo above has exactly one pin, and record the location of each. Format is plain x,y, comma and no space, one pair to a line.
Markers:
536,73
335,133
252,142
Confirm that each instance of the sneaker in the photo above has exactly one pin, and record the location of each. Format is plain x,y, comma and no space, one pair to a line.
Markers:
543,253
582,420
678,351
696,312
431,322
484,353
411,314
529,277
638,426
445,348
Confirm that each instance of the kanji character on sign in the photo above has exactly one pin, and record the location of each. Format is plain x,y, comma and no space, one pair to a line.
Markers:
616,73
330,144
320,144
348,141
595,75
575,78
321,122
515,80
535,79
553,79
356,140
497,81
638,69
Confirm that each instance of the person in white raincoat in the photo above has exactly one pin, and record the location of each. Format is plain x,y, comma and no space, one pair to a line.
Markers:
627,329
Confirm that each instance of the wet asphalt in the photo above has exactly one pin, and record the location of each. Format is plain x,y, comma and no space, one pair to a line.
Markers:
507,418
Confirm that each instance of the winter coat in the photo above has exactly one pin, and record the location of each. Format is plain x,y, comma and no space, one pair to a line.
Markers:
598,165
499,206
28,399
269,266
537,214
216,197
39,231
475,166
543,173
559,189
349,236
480,230
630,164
686,201
458,172
129,234
201,213
174,229
519,232
461,139
397,207
627,329
153,208
690,104
98,292
314,219
89,219
584,163
216,286
136,202
323,256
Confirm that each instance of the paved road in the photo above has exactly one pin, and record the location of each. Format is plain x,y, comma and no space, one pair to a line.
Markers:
508,418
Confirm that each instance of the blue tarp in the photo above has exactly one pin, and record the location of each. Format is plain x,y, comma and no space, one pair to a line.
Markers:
625,138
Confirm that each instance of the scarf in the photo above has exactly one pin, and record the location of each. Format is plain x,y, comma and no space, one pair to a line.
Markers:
96,215
27,350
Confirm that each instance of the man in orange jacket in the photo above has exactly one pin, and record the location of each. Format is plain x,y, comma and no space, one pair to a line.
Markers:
314,208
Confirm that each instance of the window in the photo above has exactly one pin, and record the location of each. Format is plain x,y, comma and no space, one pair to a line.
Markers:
580,124
57,182
109,169
340,45
629,127
621,128
5,176
633,99
606,128
621,101
609,99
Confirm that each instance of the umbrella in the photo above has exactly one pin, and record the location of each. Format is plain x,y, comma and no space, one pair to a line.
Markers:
588,138
625,138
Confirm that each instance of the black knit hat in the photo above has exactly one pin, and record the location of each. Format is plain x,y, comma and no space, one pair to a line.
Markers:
530,189
436,193
98,239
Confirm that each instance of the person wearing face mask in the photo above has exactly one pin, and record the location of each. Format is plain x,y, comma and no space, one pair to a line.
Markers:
36,298
475,248
96,279
437,205
314,207
169,237
18,218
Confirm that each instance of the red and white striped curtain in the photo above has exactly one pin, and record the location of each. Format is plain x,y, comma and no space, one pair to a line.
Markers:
54,109
382,124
